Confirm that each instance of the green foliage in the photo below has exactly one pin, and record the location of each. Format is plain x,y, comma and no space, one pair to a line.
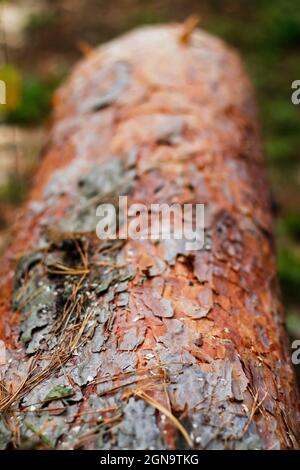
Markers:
12,78
35,100
289,271
145,16
281,149
13,190
293,323
39,21
268,35
291,225
282,22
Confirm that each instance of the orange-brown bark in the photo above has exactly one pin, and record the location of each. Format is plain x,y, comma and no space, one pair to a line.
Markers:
176,348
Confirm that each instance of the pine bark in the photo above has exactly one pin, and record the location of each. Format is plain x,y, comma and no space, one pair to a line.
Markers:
142,344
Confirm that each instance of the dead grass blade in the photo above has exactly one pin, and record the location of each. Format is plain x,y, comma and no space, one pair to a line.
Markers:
166,412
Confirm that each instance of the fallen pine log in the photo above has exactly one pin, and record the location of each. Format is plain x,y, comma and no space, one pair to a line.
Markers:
143,344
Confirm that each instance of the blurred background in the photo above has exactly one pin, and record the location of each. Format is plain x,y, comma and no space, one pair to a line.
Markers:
40,40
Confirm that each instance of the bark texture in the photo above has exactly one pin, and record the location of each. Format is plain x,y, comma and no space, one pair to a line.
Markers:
143,344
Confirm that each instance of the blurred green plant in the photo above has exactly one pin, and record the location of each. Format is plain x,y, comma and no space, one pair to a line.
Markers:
39,21
293,323
34,103
290,225
14,189
12,78
282,22
281,149
269,40
289,271
145,16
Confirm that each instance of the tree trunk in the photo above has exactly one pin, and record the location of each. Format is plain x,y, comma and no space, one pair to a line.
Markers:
145,344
